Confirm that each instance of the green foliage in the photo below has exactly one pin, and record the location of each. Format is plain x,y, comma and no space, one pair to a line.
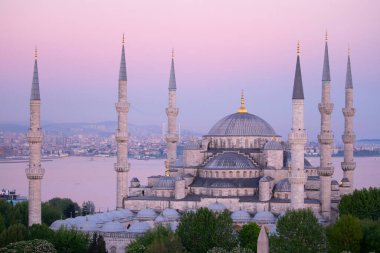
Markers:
50,214
70,241
33,246
371,236
204,230
248,235
298,232
43,232
160,239
66,207
234,250
345,235
88,207
2,223
14,233
14,214
363,204
97,245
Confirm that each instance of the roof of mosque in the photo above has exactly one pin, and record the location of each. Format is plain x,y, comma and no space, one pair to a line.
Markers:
165,183
171,214
139,227
226,182
240,216
273,145
282,186
216,207
264,217
230,160
241,124
113,226
146,213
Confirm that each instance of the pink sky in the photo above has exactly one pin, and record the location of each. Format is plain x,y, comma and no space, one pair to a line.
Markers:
221,47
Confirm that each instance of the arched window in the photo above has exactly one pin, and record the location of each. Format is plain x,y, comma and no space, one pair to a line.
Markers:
250,174
217,174
246,192
224,174
113,249
244,174
231,175
238,174
220,192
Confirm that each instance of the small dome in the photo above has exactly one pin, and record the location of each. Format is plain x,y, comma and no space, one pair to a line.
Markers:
160,219
71,222
170,214
127,213
173,226
273,230
112,226
241,124
94,218
164,183
334,182
117,215
139,227
135,179
273,145
216,207
240,216
146,214
230,160
266,179
87,225
58,224
264,217
345,182
282,186
105,217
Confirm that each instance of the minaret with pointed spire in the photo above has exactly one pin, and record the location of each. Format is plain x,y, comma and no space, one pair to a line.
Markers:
325,139
35,172
297,141
172,113
122,108
348,165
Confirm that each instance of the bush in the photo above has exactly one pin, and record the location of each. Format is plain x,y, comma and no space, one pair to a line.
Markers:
14,233
371,236
33,246
70,241
248,235
234,250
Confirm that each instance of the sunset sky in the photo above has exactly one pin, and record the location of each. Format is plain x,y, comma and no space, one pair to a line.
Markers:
221,47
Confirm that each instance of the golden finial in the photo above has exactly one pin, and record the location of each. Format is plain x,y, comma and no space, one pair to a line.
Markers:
172,53
123,39
242,108
298,48
326,36
35,53
167,171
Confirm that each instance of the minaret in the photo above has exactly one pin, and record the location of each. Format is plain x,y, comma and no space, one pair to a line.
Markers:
297,141
122,108
325,139
348,165
172,113
35,172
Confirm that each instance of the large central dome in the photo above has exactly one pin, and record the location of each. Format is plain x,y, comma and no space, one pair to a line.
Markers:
242,124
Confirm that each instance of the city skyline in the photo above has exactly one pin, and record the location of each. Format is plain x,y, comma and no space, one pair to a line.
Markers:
224,54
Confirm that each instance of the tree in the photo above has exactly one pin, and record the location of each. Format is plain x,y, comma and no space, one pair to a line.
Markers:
371,236
363,204
160,239
66,206
37,231
298,231
204,230
345,235
32,246
88,207
97,245
50,214
14,233
234,250
70,241
248,235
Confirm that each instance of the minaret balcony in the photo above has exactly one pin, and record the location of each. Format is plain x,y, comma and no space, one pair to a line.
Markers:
326,171
35,172
172,111
171,137
348,166
326,138
122,167
326,108
348,112
34,136
297,138
122,107
121,137
348,138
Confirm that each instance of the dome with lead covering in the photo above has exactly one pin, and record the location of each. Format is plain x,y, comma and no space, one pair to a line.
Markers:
139,227
282,186
170,214
264,217
113,226
240,216
242,124
58,224
230,160
87,225
146,214
216,207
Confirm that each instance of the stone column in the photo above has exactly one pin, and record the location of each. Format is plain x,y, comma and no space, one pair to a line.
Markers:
122,107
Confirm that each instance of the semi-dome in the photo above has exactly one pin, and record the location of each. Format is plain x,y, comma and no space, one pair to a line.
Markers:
112,226
282,186
230,160
264,217
165,183
241,124
146,214
273,145
139,227
240,216
266,179
216,207
170,214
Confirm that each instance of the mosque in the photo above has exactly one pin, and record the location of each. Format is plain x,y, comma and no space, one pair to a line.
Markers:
241,165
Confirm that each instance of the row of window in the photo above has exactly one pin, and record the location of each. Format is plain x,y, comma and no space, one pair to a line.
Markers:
224,193
230,174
